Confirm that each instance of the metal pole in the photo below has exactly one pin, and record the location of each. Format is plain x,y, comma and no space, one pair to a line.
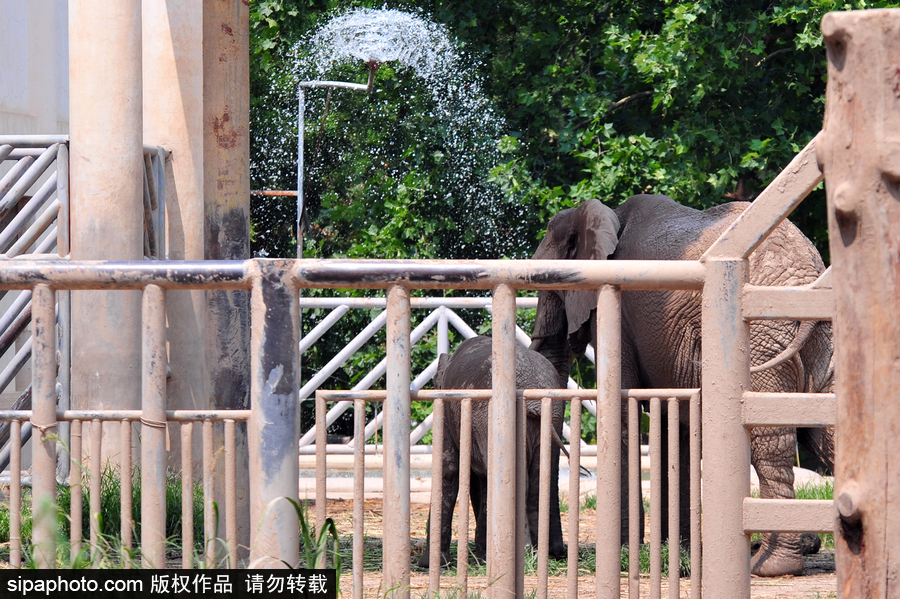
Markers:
502,549
274,423
301,123
153,429
609,441
396,445
860,157
726,443
43,420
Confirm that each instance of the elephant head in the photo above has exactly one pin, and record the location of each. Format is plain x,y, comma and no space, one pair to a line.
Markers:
563,323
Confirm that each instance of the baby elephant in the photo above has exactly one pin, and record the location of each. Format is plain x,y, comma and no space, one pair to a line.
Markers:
470,368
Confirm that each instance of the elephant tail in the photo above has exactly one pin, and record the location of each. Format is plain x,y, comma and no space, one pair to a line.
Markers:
800,339
584,472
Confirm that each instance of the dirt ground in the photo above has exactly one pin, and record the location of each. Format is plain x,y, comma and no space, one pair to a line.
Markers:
818,581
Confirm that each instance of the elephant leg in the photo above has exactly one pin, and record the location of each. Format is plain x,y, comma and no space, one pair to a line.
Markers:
557,548
819,446
450,490
684,473
772,454
532,487
478,490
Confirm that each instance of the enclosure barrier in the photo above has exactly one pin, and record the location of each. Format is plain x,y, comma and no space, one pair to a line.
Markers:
274,417
37,226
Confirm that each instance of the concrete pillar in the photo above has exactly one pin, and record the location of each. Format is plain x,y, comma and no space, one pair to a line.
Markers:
173,118
106,163
226,191
859,154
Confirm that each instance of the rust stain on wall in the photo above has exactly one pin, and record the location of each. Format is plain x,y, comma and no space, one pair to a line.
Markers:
226,137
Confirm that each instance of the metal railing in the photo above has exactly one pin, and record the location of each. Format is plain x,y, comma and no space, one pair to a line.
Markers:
34,223
273,420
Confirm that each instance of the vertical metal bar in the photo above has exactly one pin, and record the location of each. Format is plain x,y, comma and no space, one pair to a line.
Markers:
153,427
635,499
443,340
209,494
696,540
359,493
609,441
465,473
75,491
231,525
321,457
656,499
544,499
301,124
674,501
574,496
396,443
521,491
125,478
726,443
43,420
187,495
437,464
15,494
437,493
275,417
502,549
96,448
62,194
64,299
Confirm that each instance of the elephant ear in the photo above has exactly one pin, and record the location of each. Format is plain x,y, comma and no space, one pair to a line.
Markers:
596,233
443,360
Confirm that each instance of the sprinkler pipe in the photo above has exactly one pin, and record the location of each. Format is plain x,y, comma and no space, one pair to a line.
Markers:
301,96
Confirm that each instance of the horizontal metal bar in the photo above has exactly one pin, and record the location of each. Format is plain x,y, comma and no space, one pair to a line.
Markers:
485,394
268,192
335,84
64,274
33,141
788,515
415,302
787,303
135,415
485,274
788,409
370,274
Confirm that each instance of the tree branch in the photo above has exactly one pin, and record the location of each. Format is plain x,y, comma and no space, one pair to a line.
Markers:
773,54
624,101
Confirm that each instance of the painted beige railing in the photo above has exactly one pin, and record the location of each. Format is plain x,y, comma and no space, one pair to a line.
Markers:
273,421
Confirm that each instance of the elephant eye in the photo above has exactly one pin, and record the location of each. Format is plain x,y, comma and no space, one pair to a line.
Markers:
570,251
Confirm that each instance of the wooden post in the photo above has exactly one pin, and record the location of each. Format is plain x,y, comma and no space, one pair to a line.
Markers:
860,156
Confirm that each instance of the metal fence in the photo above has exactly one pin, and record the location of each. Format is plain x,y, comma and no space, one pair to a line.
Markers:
34,223
273,421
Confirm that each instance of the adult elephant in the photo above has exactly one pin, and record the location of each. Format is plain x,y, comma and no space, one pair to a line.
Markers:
470,368
661,339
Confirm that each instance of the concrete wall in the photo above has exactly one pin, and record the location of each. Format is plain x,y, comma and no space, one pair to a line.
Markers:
34,72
